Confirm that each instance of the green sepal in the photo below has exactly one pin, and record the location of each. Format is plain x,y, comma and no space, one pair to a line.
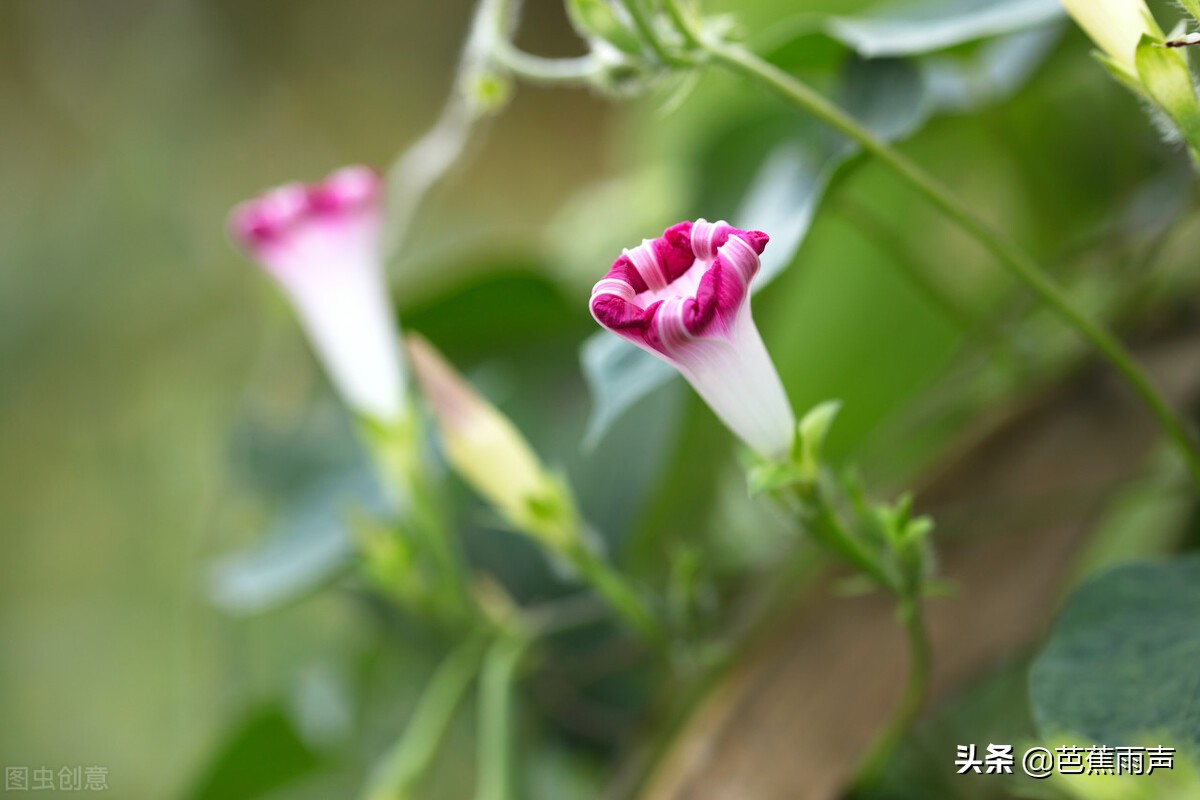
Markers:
1120,73
1167,81
770,476
813,429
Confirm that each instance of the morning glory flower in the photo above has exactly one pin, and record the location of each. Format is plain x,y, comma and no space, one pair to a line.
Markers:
321,244
685,297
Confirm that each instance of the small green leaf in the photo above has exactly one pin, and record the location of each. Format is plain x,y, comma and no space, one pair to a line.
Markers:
813,428
307,547
908,28
1122,661
767,477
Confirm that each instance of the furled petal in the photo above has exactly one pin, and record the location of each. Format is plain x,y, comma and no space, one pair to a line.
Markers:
685,297
1115,26
321,244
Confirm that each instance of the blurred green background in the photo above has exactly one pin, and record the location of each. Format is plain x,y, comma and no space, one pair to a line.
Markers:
157,402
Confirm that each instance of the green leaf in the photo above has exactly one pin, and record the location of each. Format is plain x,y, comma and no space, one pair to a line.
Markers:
911,28
305,549
618,375
1123,660
1192,7
992,73
262,754
509,308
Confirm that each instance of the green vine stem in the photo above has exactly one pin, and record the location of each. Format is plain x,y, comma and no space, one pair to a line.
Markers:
495,779
1021,265
629,604
398,772
912,619
811,505
891,242
397,453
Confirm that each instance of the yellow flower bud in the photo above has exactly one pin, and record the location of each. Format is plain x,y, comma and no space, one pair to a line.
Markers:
490,454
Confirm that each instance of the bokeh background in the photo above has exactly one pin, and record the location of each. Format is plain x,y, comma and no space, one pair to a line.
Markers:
158,407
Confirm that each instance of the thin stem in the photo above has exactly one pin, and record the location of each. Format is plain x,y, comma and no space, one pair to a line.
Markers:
912,618
826,527
421,165
818,510
623,598
396,450
495,778
1020,264
430,520
893,244
409,759
546,71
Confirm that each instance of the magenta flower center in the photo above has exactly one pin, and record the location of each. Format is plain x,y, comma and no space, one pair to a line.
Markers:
689,282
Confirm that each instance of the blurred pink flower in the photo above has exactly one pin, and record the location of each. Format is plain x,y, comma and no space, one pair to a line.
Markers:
321,243
685,297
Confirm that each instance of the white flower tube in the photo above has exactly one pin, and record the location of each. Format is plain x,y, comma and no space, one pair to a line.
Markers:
321,244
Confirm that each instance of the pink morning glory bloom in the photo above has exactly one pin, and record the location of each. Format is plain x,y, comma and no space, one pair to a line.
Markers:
321,243
685,297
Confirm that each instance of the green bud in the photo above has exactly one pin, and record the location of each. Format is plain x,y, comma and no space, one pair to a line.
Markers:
489,92
491,456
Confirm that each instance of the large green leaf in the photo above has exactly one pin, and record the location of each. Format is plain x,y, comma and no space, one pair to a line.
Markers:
1123,661
912,28
262,754
308,546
